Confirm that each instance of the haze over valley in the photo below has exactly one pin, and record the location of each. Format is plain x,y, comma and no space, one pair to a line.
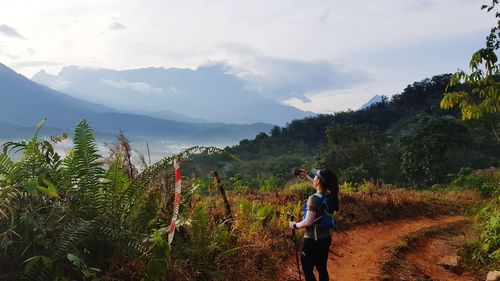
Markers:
25,103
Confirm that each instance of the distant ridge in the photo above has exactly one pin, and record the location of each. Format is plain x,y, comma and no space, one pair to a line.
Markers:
25,103
207,93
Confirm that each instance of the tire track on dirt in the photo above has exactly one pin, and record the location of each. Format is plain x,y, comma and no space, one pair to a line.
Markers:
436,257
356,254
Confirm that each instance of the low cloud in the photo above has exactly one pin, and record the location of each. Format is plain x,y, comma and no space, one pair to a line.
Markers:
35,64
59,84
117,26
8,55
10,32
333,101
139,87
283,79
17,55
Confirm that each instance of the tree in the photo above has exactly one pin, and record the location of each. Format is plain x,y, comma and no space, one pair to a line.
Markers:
479,94
355,152
431,152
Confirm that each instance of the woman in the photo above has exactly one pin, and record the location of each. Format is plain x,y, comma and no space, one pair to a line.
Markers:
317,239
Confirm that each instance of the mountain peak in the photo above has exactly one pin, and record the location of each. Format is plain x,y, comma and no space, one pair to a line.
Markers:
69,69
375,99
40,75
41,72
6,69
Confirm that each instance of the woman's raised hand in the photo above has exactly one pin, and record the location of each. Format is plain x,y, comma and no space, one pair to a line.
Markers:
303,174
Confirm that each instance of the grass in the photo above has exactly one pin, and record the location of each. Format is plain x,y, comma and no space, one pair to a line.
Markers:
263,238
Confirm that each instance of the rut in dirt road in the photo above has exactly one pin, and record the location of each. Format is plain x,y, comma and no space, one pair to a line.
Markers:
356,254
434,256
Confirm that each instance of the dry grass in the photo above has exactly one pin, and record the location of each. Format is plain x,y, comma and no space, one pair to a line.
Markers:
263,245
359,208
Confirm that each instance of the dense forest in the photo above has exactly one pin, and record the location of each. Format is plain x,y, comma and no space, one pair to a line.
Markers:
407,140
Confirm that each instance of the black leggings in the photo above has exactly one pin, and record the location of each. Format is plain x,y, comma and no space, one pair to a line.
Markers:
315,253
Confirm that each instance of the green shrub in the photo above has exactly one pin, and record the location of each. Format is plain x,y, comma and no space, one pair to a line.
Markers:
490,190
486,180
97,216
437,187
348,186
264,213
300,189
371,185
268,183
490,236
485,251
460,176
238,183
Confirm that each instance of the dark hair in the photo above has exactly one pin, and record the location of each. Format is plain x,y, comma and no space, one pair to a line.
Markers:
331,184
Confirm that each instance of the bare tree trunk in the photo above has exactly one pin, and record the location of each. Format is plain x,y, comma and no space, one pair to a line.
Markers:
494,131
218,185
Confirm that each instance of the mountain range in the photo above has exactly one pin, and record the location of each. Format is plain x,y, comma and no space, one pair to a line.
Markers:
24,103
208,93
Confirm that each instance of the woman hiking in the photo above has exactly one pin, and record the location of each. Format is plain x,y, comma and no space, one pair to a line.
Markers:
318,230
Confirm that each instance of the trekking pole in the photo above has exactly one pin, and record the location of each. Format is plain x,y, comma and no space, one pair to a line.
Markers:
292,218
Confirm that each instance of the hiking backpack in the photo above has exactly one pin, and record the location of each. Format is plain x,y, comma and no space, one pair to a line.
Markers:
327,218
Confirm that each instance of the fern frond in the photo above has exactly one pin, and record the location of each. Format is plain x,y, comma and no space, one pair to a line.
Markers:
149,173
38,268
130,244
11,145
59,138
72,234
6,165
139,197
85,164
116,185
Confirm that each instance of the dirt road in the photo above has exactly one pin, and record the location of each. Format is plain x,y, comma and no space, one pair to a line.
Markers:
437,258
356,254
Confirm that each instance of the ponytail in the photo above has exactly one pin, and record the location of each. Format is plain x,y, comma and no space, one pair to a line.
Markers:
331,185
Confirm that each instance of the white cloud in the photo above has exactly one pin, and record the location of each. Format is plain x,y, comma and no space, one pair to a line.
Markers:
59,84
139,87
37,64
8,55
332,101
10,31
300,48
282,79
117,26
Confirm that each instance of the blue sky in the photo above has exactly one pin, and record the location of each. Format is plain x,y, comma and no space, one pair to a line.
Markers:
318,55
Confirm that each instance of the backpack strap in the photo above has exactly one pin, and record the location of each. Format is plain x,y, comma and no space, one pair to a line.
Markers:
325,201
320,196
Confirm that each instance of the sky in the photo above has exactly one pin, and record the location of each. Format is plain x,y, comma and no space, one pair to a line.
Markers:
318,55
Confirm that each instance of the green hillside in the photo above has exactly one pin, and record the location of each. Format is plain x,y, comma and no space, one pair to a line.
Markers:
406,140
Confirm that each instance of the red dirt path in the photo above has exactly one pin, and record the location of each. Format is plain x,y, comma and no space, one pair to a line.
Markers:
356,254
